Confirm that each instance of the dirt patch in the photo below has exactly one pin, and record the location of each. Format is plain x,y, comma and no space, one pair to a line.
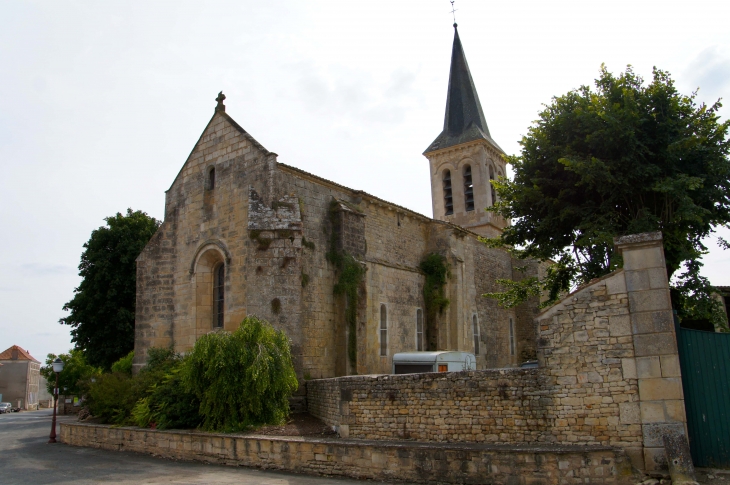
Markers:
300,424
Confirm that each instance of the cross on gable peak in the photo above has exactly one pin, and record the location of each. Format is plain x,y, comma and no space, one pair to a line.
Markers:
220,106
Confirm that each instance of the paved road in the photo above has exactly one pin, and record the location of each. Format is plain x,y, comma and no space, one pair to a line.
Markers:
26,458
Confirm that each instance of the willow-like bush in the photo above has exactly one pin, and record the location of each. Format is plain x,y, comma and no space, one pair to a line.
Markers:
169,404
243,379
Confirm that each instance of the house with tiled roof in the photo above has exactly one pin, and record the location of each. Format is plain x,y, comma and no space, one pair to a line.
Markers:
19,378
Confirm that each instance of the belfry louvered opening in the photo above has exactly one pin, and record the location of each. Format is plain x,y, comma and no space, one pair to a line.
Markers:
448,198
468,189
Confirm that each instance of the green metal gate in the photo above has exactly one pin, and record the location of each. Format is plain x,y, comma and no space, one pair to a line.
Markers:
705,362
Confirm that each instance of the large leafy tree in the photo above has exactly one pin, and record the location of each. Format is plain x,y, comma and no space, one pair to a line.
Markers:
626,157
102,309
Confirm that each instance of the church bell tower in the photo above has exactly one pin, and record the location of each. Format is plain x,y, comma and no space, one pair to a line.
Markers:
464,158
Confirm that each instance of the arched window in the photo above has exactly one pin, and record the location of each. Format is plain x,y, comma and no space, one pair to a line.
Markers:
468,189
211,178
511,336
219,277
475,329
419,329
448,199
491,187
383,330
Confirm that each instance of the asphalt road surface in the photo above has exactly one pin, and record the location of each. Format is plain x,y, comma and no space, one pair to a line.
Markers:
27,459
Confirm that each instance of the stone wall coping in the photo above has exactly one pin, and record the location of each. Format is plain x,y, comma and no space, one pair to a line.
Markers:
587,286
644,237
498,372
398,444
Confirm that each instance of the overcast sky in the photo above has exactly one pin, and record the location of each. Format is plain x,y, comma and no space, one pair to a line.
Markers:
101,102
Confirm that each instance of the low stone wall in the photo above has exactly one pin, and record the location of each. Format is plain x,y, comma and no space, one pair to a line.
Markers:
494,406
377,460
609,374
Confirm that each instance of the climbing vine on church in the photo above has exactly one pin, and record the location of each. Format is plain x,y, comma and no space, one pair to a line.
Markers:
350,277
437,272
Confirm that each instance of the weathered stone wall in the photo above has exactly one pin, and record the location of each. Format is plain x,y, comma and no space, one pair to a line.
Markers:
585,343
608,375
394,461
391,242
661,406
582,394
493,406
203,226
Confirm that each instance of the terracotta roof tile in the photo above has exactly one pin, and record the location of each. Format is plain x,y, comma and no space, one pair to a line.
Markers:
22,354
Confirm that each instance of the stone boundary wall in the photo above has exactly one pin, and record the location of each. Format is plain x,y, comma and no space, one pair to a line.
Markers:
585,392
376,460
493,406
609,374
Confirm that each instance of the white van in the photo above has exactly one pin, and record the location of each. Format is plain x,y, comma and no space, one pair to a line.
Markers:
439,361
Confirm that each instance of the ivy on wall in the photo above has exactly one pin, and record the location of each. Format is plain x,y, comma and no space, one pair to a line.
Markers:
437,272
351,275
263,242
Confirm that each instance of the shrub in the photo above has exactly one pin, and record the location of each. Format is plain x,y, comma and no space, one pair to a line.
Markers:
111,398
169,404
124,365
242,379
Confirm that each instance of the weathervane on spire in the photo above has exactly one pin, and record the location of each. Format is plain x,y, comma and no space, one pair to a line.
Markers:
453,11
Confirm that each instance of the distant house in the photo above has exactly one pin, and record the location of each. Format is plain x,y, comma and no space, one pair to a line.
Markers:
19,378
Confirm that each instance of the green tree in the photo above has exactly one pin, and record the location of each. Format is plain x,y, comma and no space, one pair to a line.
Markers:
76,371
102,309
242,379
624,158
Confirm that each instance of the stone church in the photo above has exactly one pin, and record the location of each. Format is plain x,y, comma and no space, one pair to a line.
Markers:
245,234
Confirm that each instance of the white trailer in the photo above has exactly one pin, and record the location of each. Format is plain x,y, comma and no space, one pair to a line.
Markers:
439,361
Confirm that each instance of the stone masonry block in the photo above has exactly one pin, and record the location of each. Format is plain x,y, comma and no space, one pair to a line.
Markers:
660,389
628,368
654,432
655,344
636,455
629,412
648,257
648,367
637,280
652,322
657,277
655,459
670,366
616,284
619,325
652,412
649,301
675,411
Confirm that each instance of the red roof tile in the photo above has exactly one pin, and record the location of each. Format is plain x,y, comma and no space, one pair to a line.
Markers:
22,354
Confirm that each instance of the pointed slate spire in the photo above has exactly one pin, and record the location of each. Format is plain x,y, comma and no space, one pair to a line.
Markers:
464,119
